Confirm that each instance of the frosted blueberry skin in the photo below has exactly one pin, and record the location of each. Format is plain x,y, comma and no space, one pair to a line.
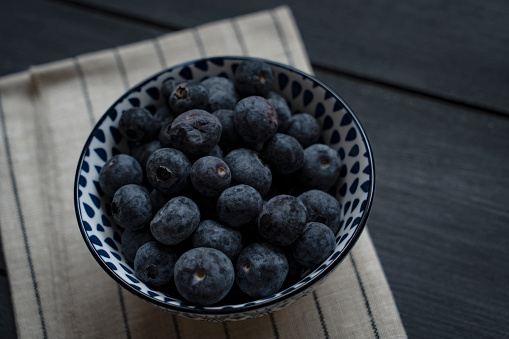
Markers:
204,276
188,95
239,205
120,170
248,168
210,176
216,152
321,168
137,125
304,128
284,153
314,245
253,77
154,264
282,220
229,136
322,207
210,233
163,116
260,270
195,132
158,199
132,240
143,151
175,221
255,119
167,87
131,207
282,109
222,93
168,170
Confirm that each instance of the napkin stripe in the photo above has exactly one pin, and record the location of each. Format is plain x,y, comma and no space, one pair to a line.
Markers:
282,38
160,53
320,314
239,36
365,297
22,221
121,68
226,330
88,104
199,43
274,325
84,88
176,326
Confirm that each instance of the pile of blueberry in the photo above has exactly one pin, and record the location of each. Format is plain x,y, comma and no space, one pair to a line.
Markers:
227,206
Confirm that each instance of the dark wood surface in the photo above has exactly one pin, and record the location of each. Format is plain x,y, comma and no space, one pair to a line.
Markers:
429,82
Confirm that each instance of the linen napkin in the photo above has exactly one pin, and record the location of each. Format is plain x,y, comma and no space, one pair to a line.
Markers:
58,290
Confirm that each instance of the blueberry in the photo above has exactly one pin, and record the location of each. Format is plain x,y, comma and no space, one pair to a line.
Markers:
261,270
163,116
321,168
239,205
296,271
137,124
322,207
167,87
284,153
282,109
282,220
216,152
132,240
314,245
229,136
255,119
175,221
210,176
164,135
304,128
254,77
143,151
195,132
131,207
158,199
168,170
154,264
120,170
210,233
188,95
204,276
247,168
221,91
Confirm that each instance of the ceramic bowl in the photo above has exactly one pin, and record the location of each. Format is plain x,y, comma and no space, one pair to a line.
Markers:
340,129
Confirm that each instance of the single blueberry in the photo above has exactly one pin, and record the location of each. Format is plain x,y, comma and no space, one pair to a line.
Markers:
221,91
195,132
137,124
143,151
120,170
322,207
188,95
304,128
229,136
132,240
321,168
260,270
210,176
210,233
239,205
255,119
168,170
284,153
204,276
254,77
131,207
314,245
175,221
154,264
248,168
282,220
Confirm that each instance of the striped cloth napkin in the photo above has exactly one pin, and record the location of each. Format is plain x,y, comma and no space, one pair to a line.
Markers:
58,290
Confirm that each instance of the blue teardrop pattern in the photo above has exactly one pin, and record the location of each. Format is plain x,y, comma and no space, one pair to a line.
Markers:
351,135
115,133
307,97
186,73
89,210
337,106
347,206
103,253
126,269
342,190
355,168
319,110
95,240
99,135
353,187
153,92
283,81
201,65
100,228
354,151
82,181
95,200
101,153
327,123
365,186
112,244
346,120
85,167
112,114
296,89
217,61
335,138
354,204
135,102
86,225
341,153
111,265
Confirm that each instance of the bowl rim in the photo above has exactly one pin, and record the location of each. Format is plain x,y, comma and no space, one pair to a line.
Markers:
220,310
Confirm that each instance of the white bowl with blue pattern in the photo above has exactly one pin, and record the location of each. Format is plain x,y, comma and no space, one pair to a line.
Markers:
340,129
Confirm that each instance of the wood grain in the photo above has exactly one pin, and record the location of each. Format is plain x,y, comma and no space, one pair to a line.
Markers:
453,50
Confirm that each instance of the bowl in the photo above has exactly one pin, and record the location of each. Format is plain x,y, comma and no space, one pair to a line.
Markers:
340,129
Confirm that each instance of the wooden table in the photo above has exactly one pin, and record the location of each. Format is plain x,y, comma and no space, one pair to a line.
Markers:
430,84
